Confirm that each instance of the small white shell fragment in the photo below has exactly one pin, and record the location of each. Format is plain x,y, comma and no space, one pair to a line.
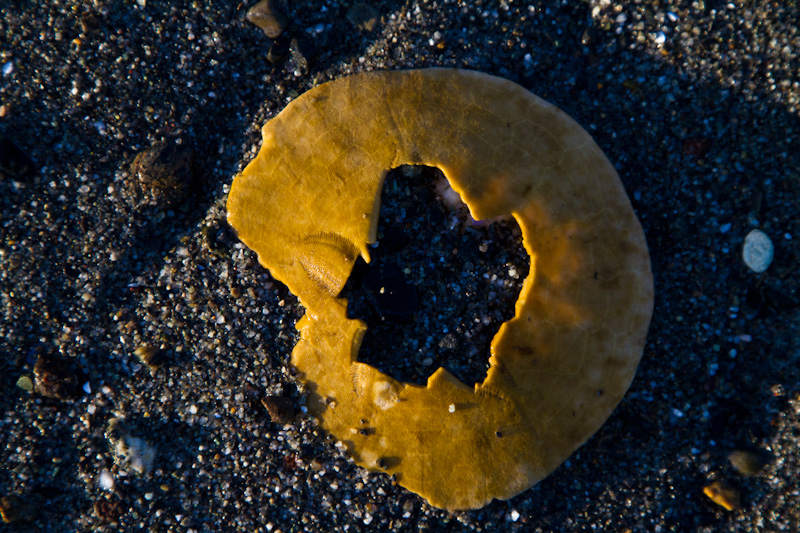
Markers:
452,408
757,251
129,451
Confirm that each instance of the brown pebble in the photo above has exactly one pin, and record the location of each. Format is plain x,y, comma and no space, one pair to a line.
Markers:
280,409
279,50
54,378
748,462
363,16
162,175
151,356
268,16
723,494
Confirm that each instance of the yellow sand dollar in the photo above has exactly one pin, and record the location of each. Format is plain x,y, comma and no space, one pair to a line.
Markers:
308,205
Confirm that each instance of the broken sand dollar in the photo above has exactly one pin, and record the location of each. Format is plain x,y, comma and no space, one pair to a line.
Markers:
308,205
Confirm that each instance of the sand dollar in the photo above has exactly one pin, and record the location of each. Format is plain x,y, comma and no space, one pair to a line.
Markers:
308,204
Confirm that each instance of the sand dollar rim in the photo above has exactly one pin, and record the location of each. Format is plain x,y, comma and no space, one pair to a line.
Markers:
308,204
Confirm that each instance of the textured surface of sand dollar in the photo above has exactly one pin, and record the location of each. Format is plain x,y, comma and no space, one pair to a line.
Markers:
309,204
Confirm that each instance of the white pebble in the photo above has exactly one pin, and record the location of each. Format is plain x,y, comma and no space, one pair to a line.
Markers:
758,251
527,60
106,480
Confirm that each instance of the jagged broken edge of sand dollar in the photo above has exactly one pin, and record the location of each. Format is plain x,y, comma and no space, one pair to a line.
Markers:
308,204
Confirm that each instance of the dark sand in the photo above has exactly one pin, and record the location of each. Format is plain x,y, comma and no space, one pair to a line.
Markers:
696,104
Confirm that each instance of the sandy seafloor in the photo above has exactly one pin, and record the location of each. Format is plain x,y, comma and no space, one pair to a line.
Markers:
695,103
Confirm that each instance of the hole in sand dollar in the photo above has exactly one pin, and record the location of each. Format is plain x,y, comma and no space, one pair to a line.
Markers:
439,285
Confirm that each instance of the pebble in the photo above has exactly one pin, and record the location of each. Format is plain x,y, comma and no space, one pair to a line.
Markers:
268,16
758,251
302,52
449,342
724,495
55,379
280,408
162,175
748,462
25,383
279,49
105,480
151,356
